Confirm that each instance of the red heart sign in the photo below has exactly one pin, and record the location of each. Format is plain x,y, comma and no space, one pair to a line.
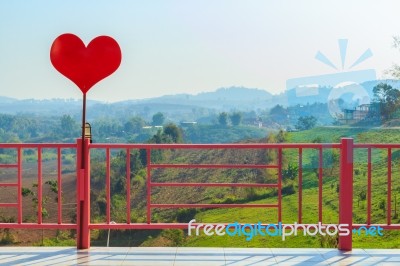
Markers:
85,66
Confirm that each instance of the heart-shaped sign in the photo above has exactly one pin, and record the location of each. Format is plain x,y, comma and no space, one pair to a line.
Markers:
85,66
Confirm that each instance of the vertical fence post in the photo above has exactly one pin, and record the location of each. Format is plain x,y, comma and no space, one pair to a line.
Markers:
148,184
83,196
346,191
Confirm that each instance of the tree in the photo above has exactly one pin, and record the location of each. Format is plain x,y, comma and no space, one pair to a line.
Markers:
387,98
236,118
281,136
158,119
174,132
6,122
290,172
306,122
279,114
107,127
223,119
134,125
68,126
382,205
26,192
278,110
395,70
170,134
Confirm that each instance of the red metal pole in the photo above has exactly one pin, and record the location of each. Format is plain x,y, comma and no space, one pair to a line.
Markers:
79,174
39,186
389,187
300,169
86,215
59,187
19,185
108,186
369,186
148,183
83,129
320,173
280,185
346,191
128,186
83,196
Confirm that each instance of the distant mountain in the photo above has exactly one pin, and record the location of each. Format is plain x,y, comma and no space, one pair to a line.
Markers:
321,94
6,100
186,106
222,99
42,107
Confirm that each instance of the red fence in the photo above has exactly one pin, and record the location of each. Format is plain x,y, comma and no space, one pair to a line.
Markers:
84,224
18,165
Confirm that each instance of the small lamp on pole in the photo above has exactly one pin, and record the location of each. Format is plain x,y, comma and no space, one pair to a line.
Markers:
88,132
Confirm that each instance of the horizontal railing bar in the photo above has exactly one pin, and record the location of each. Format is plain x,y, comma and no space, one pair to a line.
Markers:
36,145
233,205
216,146
198,146
38,226
214,166
8,184
377,145
9,205
212,185
8,165
149,147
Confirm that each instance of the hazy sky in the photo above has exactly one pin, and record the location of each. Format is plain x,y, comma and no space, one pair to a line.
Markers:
190,46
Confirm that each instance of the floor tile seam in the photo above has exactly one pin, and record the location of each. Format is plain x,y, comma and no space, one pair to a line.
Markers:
271,254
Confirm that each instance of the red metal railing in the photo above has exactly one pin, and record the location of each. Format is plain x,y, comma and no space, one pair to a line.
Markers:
150,184
370,148
278,166
84,225
19,148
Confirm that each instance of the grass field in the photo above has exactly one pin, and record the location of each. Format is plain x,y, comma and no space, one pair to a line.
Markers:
249,196
390,239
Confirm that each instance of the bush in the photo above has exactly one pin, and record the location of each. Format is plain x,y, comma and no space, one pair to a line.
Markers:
140,178
288,189
176,236
306,122
8,238
362,195
328,241
185,215
68,160
290,172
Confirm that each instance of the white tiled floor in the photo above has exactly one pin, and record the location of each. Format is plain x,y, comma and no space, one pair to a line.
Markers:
195,256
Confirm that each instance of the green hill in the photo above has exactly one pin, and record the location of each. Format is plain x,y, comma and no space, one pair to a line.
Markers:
227,195
290,199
